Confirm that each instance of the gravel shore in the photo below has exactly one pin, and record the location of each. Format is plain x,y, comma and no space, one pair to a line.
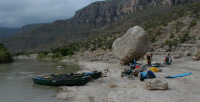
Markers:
113,88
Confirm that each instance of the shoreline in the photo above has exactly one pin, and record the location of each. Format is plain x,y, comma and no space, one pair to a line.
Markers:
113,88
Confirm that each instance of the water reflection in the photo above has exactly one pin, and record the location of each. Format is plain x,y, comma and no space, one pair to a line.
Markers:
16,84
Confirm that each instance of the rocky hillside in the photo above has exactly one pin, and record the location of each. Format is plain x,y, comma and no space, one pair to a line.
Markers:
6,32
29,26
102,21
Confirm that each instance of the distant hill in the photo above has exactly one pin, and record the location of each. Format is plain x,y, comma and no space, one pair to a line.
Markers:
30,26
6,32
103,20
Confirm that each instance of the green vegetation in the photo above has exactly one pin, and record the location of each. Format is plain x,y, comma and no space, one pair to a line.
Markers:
5,56
185,37
171,43
171,36
42,54
193,23
56,53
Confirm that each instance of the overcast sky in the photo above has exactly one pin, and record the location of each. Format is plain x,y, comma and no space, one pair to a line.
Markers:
16,13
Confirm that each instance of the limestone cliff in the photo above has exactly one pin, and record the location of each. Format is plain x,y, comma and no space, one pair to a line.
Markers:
110,10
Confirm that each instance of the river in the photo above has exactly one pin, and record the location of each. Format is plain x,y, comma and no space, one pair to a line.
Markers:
16,83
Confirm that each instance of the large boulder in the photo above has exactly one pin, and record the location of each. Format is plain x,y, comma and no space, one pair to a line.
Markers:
132,45
197,52
156,84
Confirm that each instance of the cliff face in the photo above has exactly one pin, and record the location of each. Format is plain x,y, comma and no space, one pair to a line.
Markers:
109,11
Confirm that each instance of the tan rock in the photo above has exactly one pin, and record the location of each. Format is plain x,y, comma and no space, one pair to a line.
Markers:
133,45
157,84
196,55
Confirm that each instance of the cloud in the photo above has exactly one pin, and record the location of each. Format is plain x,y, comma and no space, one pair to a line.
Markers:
16,13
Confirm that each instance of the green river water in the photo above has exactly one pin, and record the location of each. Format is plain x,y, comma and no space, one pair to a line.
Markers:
16,83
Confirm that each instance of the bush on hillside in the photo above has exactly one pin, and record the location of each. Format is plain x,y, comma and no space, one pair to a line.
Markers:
171,36
171,43
42,54
184,37
65,51
5,56
192,23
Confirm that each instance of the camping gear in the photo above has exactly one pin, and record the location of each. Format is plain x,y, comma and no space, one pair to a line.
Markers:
126,72
146,75
150,74
137,67
155,64
68,81
155,69
143,75
179,75
93,75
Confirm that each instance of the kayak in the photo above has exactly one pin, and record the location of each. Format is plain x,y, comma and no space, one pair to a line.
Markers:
93,75
69,81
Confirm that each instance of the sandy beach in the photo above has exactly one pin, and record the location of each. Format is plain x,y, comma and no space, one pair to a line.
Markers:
113,88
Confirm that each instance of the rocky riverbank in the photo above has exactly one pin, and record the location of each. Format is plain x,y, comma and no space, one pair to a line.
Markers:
113,88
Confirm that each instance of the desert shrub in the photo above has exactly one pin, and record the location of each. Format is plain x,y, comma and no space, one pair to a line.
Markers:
177,26
64,51
110,43
93,49
184,37
171,36
192,23
42,54
171,43
56,55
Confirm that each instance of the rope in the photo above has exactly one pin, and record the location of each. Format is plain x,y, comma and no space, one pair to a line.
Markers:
91,78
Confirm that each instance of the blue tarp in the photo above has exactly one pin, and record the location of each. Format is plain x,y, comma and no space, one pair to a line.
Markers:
148,74
179,75
89,73
151,74
143,75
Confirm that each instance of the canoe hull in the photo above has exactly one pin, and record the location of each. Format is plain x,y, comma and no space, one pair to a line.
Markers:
60,82
93,75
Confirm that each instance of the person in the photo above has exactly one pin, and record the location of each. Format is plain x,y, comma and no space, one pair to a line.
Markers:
168,59
149,58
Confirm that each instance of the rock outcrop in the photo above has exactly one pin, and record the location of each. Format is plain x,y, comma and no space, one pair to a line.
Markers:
197,52
133,45
110,10
156,84
178,55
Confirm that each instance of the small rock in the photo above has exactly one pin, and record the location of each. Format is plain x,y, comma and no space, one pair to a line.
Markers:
187,53
60,67
156,84
168,50
178,55
197,52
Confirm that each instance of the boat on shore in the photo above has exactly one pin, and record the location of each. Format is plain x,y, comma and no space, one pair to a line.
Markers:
93,75
56,81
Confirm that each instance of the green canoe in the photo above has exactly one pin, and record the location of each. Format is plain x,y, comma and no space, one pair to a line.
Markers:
69,81
93,75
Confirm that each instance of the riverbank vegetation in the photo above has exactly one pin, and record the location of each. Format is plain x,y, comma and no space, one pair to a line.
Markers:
56,53
5,56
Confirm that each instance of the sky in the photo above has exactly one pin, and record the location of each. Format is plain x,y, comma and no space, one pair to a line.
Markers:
16,13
